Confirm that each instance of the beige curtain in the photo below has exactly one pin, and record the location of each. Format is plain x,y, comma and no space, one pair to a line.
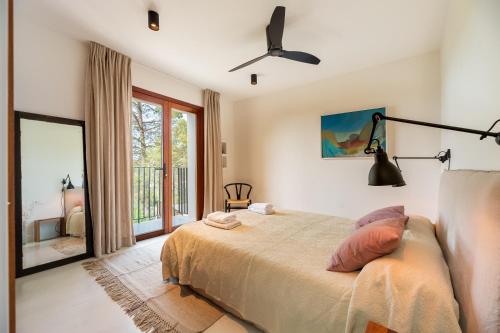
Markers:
214,198
108,96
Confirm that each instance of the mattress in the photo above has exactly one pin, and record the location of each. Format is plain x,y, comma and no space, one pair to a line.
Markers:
75,224
271,271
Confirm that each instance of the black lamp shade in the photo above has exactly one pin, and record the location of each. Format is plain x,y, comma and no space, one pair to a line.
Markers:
383,172
153,20
70,185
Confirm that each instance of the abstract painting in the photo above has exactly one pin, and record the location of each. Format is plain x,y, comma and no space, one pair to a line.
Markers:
347,134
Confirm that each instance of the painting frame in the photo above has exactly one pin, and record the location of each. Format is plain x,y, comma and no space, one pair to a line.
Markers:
346,134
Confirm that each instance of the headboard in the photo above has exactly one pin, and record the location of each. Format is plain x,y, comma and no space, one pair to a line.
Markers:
468,230
73,198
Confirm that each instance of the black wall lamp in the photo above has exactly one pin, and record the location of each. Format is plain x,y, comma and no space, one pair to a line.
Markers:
70,185
442,156
385,173
153,20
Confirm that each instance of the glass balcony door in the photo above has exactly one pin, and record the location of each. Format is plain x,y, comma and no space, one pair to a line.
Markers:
167,145
184,161
148,166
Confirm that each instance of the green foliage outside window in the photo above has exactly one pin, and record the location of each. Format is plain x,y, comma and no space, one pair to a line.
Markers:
147,135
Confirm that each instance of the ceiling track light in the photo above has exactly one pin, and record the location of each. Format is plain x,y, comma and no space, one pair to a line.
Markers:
153,20
253,79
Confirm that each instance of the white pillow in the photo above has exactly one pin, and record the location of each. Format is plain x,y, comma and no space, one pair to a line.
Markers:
75,209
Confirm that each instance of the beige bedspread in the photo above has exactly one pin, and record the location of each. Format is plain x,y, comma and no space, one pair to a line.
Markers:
272,272
75,224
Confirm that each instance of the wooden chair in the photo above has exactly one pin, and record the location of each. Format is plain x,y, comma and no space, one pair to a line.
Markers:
238,202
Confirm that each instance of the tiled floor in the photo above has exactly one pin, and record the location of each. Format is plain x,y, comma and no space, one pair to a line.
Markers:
37,253
67,299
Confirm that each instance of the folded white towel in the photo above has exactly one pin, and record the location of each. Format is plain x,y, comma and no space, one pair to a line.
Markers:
221,217
262,211
262,208
261,205
225,226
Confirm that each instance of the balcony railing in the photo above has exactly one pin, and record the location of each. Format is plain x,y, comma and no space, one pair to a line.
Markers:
147,193
180,191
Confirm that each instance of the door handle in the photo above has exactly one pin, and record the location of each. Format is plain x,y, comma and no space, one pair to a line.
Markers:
164,170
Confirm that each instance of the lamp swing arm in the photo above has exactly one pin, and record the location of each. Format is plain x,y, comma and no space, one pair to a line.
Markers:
375,119
377,116
396,158
442,156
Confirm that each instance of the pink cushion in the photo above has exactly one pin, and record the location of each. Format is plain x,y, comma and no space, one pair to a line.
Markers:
381,214
365,244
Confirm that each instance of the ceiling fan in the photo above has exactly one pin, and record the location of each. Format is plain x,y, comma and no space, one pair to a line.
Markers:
274,34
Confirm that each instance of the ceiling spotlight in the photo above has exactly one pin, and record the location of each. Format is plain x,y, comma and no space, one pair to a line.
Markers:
153,20
253,79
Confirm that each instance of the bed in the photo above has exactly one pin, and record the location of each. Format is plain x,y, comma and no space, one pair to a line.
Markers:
271,271
75,222
74,216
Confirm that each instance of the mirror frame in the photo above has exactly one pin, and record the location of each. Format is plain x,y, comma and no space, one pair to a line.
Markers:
20,271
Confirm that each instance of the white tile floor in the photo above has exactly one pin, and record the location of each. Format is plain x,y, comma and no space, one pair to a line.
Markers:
37,253
67,299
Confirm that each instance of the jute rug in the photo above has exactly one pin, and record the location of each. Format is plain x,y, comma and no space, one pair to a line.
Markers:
133,280
70,246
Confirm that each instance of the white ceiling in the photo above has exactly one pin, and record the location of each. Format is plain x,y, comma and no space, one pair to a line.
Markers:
199,41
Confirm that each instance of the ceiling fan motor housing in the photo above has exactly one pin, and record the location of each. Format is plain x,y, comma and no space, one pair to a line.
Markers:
276,52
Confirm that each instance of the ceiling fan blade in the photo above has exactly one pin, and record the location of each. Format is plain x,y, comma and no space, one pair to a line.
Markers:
276,26
249,62
300,56
268,38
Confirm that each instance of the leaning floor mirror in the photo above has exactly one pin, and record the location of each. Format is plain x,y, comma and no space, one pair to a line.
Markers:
53,224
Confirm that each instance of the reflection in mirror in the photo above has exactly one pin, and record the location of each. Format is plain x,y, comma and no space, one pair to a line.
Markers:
52,187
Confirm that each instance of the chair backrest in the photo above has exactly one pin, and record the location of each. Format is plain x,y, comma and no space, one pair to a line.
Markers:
238,189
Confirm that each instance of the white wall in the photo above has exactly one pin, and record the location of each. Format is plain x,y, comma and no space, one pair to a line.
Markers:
49,69
471,81
49,73
229,137
4,230
161,83
278,147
